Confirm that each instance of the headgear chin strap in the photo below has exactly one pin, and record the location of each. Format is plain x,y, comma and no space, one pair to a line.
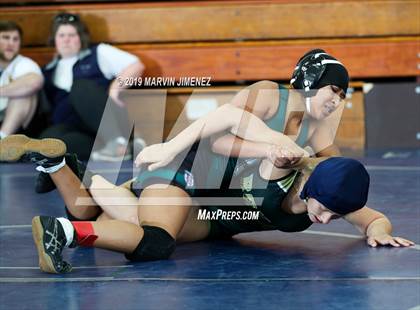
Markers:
312,68
308,104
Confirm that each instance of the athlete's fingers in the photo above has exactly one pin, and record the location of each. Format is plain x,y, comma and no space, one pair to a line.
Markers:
156,165
144,157
403,241
140,160
394,243
372,242
153,167
388,241
137,162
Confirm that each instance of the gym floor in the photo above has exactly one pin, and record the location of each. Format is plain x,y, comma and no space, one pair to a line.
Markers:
326,267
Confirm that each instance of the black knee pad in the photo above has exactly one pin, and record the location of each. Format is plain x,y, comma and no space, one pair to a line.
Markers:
156,244
72,218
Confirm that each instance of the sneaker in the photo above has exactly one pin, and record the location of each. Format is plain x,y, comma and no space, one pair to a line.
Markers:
50,239
45,184
114,150
44,152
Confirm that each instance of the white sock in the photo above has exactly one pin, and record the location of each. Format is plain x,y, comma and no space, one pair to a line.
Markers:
2,135
68,229
53,168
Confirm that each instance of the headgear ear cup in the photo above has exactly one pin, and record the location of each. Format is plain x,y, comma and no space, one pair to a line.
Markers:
313,72
311,69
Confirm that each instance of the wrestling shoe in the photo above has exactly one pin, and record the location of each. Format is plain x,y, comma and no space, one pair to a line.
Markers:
43,152
45,184
50,239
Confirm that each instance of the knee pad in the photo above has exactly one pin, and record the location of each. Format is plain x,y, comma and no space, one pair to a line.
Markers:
156,244
72,218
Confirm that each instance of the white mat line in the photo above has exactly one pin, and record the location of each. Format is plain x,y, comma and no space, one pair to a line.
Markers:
393,168
33,173
80,267
326,233
310,232
129,170
333,234
14,226
38,280
113,279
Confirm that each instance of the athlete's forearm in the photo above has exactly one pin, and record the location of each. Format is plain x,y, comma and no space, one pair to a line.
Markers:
24,86
214,122
239,122
308,163
230,145
254,129
330,151
379,226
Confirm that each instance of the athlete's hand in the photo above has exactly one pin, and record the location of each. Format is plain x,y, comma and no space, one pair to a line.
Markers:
385,239
156,155
282,157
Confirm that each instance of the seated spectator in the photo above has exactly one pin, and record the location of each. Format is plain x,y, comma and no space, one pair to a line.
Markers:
79,82
20,80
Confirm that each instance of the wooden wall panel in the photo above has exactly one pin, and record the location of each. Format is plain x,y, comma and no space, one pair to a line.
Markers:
354,106
14,3
227,20
364,58
350,134
150,116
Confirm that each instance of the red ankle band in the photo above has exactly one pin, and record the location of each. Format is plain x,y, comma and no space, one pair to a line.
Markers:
84,233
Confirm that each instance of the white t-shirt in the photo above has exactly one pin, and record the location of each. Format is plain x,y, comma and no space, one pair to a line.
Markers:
111,61
19,66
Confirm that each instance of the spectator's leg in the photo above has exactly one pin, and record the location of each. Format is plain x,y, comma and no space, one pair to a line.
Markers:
114,119
79,143
18,114
56,131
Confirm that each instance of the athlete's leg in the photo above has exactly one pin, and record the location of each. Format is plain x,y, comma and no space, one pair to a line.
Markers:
154,239
49,155
117,202
78,200
194,229
104,217
51,235
165,206
178,218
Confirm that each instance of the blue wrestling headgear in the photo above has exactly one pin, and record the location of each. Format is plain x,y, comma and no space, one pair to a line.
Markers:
317,69
340,184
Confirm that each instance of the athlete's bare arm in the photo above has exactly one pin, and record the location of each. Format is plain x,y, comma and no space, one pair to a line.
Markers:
227,117
376,227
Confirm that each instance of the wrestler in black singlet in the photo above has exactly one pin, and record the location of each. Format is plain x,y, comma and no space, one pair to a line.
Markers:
202,173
